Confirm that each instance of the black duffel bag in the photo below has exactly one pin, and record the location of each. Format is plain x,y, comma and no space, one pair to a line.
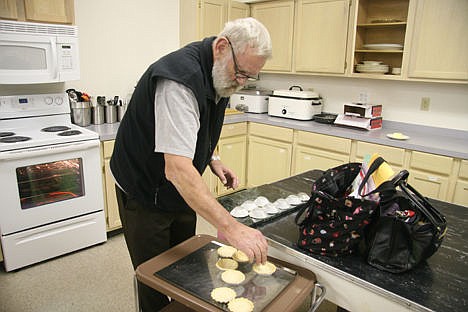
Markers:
406,229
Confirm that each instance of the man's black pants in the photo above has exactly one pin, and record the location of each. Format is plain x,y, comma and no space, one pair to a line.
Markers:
149,232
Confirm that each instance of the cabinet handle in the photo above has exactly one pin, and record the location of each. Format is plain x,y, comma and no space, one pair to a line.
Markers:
433,179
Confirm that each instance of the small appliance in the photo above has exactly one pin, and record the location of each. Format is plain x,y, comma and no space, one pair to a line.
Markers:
38,53
251,100
295,103
363,110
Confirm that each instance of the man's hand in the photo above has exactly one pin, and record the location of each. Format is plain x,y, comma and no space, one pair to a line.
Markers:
225,175
249,240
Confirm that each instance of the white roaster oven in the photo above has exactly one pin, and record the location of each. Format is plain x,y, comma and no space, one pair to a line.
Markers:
295,103
52,200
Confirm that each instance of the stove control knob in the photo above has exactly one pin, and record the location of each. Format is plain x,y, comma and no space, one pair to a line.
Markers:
48,100
284,111
58,100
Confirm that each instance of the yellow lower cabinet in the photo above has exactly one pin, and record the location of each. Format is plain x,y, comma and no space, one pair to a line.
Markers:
269,161
307,158
318,151
233,153
460,196
429,174
112,209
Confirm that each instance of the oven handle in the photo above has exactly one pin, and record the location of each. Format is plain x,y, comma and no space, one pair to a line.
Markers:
48,150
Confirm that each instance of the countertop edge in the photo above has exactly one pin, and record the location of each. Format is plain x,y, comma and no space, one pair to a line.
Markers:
433,140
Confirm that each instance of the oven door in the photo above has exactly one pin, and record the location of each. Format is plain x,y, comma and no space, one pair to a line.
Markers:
48,184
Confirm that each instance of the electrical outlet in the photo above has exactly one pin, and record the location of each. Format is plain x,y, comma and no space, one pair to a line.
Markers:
363,97
425,103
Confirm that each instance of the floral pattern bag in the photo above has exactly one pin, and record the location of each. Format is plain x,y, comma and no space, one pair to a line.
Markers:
334,221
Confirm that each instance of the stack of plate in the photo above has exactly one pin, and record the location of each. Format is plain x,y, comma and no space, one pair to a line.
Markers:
373,67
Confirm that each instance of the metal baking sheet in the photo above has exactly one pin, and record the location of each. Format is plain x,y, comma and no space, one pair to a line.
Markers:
198,275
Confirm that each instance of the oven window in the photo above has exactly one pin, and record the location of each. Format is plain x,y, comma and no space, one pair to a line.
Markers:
52,182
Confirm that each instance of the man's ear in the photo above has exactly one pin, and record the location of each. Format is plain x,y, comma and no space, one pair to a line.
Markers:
220,47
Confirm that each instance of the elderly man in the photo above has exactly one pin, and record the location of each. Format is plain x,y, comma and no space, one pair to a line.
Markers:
167,138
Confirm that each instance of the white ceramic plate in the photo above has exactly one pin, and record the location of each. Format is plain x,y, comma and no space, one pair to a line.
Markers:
397,136
383,46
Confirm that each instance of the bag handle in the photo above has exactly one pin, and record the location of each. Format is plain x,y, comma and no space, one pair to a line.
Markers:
432,214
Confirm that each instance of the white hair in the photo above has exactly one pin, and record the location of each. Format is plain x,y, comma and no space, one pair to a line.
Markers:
247,33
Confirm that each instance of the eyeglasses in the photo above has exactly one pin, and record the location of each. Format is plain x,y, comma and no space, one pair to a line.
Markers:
240,74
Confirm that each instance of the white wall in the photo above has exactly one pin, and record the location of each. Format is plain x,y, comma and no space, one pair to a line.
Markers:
400,99
118,40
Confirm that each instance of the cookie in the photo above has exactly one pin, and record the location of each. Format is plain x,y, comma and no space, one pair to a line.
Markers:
264,269
226,263
233,277
226,251
240,256
223,294
240,305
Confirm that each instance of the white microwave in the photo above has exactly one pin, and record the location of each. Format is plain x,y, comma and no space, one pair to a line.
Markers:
38,53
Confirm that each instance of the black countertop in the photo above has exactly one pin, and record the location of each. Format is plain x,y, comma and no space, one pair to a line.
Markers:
439,284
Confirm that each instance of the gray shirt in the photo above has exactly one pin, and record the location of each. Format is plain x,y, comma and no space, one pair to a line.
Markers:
177,119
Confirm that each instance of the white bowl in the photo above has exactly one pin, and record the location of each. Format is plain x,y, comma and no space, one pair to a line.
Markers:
371,62
249,205
239,212
293,200
258,213
261,201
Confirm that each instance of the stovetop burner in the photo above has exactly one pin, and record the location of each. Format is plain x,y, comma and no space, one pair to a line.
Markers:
14,139
55,129
70,132
6,134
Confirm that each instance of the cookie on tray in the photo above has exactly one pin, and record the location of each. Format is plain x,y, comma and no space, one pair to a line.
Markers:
226,264
264,269
226,251
233,277
240,304
223,294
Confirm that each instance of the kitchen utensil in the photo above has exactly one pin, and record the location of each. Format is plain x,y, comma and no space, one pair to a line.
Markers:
250,100
121,109
111,113
325,118
81,113
98,114
295,103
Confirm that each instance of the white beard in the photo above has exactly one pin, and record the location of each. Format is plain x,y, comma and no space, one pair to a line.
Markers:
222,82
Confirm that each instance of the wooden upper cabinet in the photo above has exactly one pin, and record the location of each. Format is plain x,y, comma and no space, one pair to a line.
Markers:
439,44
8,9
42,11
321,36
238,10
213,16
278,18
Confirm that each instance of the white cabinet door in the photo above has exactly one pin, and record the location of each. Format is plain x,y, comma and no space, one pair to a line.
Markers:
439,45
321,36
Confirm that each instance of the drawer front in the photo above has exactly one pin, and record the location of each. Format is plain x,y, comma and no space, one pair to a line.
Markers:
234,129
463,169
325,142
431,163
108,147
393,155
273,132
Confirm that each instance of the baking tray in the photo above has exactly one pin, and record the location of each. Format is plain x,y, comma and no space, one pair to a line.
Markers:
187,273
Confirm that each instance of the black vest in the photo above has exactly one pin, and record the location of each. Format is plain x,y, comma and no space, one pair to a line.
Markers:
134,164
